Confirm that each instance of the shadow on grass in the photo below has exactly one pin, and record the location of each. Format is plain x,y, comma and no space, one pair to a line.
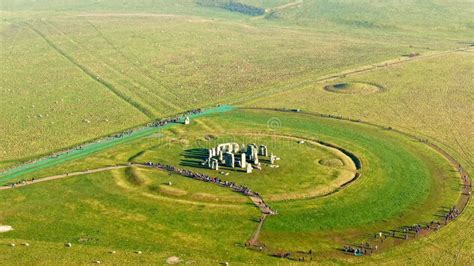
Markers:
194,158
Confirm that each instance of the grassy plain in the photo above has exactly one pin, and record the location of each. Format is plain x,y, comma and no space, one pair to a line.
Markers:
430,97
155,58
120,64
385,197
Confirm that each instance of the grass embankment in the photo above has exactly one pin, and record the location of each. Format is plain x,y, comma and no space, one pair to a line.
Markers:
402,183
94,68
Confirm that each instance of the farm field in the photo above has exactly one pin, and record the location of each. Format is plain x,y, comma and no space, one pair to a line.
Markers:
368,104
105,72
431,97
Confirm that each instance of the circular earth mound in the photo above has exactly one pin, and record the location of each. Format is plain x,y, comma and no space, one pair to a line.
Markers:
354,88
295,175
332,162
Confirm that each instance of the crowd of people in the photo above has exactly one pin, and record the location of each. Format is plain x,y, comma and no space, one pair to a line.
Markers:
175,119
451,215
215,180
363,249
20,182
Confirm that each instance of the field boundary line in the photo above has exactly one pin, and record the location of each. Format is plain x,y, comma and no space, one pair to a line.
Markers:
142,70
61,176
255,96
114,70
94,77
87,148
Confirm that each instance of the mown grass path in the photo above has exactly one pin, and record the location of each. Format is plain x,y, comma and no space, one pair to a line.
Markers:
54,177
94,147
256,198
349,72
466,181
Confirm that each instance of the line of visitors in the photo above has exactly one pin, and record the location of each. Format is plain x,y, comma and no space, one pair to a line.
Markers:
206,178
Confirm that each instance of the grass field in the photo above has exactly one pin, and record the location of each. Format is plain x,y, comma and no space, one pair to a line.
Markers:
99,74
431,97
385,197
73,71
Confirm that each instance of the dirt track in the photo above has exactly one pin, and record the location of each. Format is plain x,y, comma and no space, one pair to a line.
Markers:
54,177
258,200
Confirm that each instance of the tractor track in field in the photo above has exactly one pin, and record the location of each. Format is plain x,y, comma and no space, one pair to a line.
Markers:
94,76
466,181
258,200
342,74
143,70
113,69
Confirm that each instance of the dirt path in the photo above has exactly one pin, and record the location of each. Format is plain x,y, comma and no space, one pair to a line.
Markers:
249,99
54,177
253,241
258,200
466,188
297,3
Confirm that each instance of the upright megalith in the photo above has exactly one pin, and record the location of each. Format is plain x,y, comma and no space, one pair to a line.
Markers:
252,153
243,160
187,120
235,155
214,164
221,157
229,159
263,150
255,159
249,169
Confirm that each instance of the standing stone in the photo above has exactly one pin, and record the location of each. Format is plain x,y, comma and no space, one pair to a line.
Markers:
261,150
187,121
255,160
229,159
221,157
236,148
249,168
243,160
215,164
272,158
251,151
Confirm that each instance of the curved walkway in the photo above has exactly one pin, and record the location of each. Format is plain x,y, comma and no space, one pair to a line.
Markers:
459,206
257,199
54,177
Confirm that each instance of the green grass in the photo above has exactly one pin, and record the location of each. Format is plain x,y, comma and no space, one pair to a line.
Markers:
156,58
430,97
95,213
94,147
403,182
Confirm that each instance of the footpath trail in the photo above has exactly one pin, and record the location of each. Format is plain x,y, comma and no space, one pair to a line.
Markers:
90,148
466,181
246,100
256,198
54,177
